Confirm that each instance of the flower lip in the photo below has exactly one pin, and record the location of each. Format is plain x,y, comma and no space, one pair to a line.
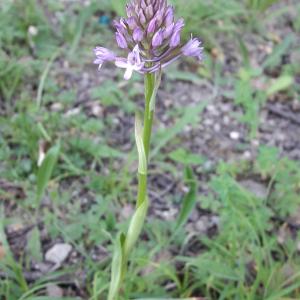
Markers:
133,63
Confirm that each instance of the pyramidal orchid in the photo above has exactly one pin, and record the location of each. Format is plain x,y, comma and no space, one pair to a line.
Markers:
150,40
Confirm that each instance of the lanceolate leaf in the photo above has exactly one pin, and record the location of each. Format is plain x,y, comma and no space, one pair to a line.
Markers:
136,226
140,145
117,267
156,87
45,171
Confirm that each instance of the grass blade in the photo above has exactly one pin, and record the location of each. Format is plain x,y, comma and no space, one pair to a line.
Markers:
189,200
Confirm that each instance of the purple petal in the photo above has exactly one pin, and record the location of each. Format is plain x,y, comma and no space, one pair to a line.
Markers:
152,26
193,48
157,38
138,34
169,19
131,23
122,43
175,39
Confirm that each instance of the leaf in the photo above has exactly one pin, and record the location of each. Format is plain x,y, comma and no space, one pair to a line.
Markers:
52,298
280,84
44,78
245,52
140,145
45,171
194,298
117,267
275,58
182,156
265,4
34,245
155,90
189,200
136,226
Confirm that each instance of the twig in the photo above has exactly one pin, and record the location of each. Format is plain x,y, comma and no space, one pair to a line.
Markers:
284,114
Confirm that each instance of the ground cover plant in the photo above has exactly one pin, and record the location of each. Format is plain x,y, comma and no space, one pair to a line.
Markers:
224,179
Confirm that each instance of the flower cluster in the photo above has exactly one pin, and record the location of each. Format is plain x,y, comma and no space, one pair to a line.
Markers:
151,36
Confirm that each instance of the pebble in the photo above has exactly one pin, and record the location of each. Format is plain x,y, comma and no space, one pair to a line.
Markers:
208,122
247,155
256,188
296,105
202,225
226,120
58,253
255,143
56,107
72,112
217,127
33,31
234,135
54,291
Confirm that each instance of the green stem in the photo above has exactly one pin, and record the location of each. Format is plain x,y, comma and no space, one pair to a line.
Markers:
126,243
148,121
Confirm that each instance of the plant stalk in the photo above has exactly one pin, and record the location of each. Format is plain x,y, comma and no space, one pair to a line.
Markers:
125,244
148,121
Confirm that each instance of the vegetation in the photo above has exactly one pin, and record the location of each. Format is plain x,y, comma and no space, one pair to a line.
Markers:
224,200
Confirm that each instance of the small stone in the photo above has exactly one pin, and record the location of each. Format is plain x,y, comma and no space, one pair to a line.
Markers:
208,165
256,188
203,224
226,120
54,291
217,127
97,111
215,220
73,112
211,108
208,122
226,108
296,105
33,31
234,135
255,143
58,253
295,154
295,218
247,155
57,107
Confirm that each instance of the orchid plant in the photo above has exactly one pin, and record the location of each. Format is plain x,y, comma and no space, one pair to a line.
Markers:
150,37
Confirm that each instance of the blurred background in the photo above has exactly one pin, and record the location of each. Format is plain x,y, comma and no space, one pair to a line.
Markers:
224,186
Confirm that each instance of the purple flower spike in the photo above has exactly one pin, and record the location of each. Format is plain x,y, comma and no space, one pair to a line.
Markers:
151,37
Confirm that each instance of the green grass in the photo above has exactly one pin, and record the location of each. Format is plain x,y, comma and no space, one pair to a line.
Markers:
85,187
